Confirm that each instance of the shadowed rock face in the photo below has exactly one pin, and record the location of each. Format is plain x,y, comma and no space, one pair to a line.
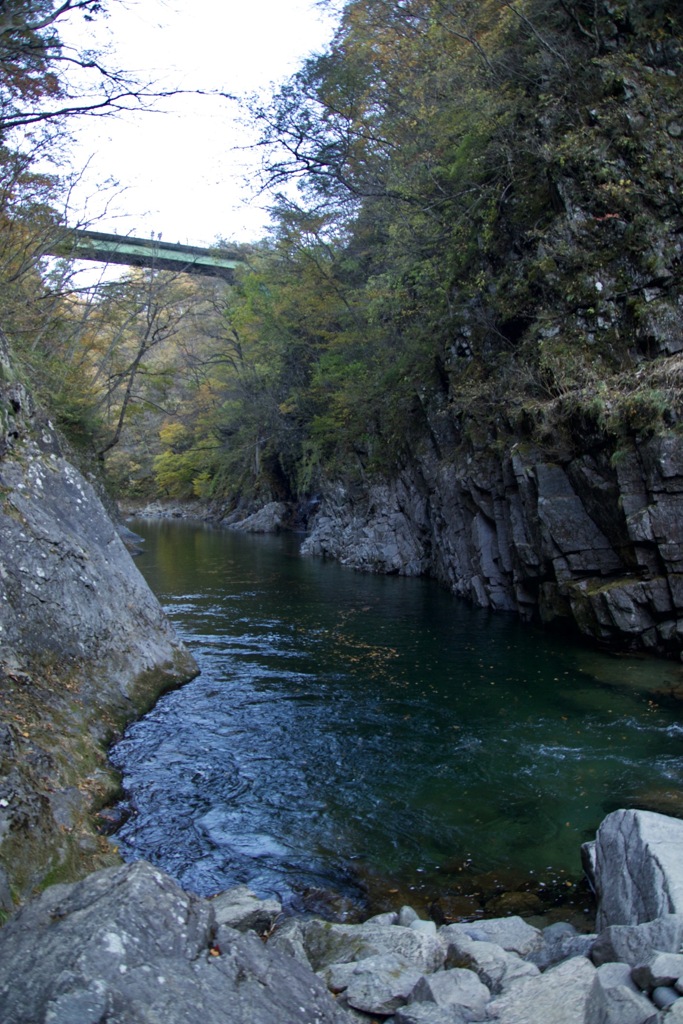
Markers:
594,542
84,647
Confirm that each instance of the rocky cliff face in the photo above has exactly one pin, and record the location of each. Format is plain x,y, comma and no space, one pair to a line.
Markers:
544,472
85,646
588,539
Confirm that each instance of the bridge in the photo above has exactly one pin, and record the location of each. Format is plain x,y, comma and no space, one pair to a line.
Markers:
80,244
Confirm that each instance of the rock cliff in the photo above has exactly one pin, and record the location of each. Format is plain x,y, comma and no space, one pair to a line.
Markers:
593,541
538,467
85,647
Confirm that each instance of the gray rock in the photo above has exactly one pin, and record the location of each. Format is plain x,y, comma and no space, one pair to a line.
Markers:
512,933
613,974
426,927
288,938
388,918
81,632
406,916
672,1015
430,1013
636,944
240,908
458,988
127,945
490,527
560,941
268,519
614,998
560,996
494,966
327,943
638,867
660,969
665,996
377,984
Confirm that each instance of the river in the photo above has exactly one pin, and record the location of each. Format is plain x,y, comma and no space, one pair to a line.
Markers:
354,740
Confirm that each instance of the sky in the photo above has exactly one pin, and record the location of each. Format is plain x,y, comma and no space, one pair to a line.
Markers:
180,171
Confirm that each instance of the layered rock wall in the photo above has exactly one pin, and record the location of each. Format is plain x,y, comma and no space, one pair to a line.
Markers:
594,539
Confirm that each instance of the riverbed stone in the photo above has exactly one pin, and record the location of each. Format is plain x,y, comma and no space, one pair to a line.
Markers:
660,969
561,995
426,927
615,999
240,908
636,944
511,933
672,1015
664,996
638,867
560,941
376,984
430,1013
328,943
407,915
457,987
288,938
128,945
496,967
389,917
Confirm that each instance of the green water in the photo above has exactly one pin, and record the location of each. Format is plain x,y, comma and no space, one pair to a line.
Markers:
361,734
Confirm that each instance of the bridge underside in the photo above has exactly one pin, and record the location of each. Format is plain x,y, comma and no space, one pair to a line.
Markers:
142,252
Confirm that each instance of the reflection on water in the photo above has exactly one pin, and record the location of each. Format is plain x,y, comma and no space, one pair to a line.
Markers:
347,730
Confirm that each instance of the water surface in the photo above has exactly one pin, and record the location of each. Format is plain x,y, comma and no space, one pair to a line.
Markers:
362,734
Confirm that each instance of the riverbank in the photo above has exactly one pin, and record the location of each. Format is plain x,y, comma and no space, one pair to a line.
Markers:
129,943
85,648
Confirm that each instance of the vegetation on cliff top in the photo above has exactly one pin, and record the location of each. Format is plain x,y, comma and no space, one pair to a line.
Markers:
478,219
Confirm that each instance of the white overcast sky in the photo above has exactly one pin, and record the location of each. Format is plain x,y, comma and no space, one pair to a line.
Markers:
180,170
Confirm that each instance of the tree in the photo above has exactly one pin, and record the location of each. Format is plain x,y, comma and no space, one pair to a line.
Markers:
44,81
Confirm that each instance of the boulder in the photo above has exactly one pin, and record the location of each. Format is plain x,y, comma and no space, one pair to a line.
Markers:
377,984
659,969
268,519
494,966
326,943
638,867
429,1013
288,938
636,944
560,941
512,933
127,944
665,996
614,999
240,908
561,996
457,988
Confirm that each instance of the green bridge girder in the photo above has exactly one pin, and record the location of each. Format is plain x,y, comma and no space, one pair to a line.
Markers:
101,247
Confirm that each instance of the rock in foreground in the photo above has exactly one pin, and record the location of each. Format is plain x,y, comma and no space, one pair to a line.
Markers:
128,945
638,863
